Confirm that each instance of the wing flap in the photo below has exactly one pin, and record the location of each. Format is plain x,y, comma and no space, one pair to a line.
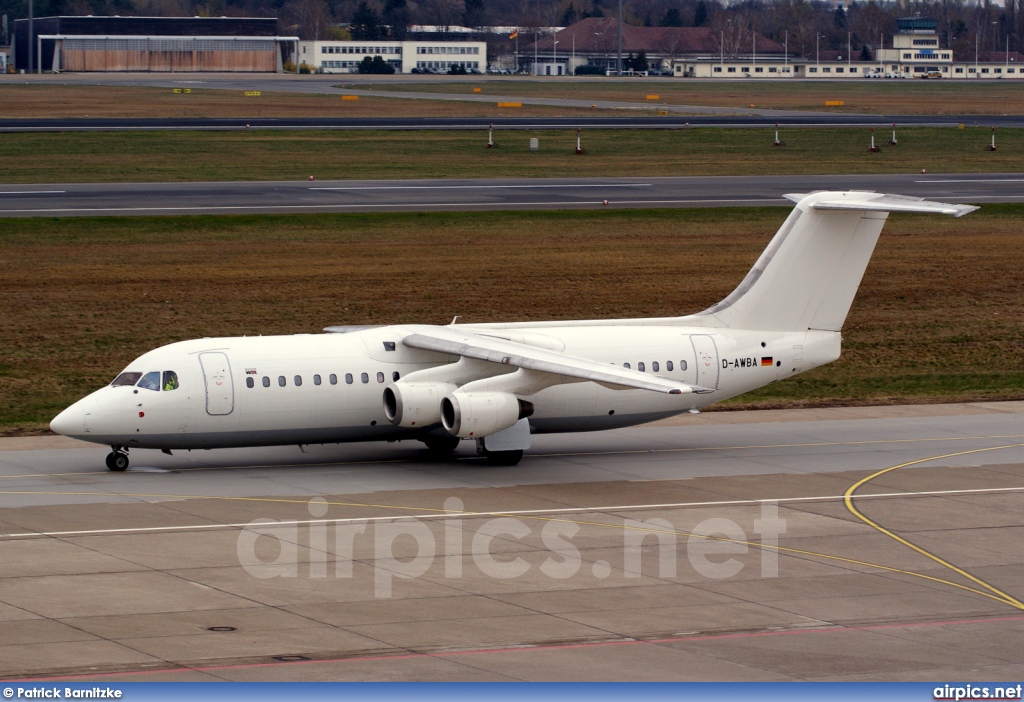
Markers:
511,353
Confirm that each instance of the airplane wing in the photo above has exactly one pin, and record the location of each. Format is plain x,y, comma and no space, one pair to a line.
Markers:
495,350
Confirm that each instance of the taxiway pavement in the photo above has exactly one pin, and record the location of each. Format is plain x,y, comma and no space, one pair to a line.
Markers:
639,554
249,197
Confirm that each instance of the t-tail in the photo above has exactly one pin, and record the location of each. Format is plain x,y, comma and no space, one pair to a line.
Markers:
807,277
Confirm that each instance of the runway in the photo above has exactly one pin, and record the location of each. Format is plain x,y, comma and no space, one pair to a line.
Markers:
251,197
857,543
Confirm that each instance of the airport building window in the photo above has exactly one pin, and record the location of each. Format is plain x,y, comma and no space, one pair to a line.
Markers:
826,69
853,69
984,70
641,367
281,381
249,382
150,381
1009,70
839,69
732,69
959,70
999,70
773,69
718,69
333,379
668,365
266,381
758,70
655,367
380,377
365,377
298,381
348,378
812,69
316,380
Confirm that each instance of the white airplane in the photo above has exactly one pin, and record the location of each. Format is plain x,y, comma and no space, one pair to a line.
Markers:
499,383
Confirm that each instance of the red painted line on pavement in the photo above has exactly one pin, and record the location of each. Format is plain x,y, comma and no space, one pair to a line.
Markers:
529,648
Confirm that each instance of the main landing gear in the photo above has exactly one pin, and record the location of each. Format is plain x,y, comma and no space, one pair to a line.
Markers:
441,445
117,459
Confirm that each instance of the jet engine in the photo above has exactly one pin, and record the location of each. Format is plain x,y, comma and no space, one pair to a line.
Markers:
477,414
414,404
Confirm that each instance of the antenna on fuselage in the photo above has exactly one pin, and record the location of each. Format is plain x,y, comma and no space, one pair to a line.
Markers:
454,320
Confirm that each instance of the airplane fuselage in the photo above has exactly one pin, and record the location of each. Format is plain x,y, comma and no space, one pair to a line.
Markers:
327,388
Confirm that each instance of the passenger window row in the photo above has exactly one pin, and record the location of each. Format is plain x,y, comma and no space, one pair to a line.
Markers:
282,381
656,367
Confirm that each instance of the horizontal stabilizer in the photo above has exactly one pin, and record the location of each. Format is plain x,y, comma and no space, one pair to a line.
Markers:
880,202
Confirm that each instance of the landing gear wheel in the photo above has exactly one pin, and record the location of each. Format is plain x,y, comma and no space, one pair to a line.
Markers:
503,458
441,444
117,461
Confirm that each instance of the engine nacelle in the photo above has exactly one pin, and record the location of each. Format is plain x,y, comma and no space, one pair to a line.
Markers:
477,414
414,404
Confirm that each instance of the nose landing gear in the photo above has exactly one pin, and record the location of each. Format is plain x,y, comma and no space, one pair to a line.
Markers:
117,459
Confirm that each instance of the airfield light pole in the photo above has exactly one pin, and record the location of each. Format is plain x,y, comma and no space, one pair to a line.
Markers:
536,39
785,53
30,33
849,45
817,49
618,60
554,59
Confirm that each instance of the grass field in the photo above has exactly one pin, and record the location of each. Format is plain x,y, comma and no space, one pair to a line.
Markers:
96,101
940,315
897,97
288,155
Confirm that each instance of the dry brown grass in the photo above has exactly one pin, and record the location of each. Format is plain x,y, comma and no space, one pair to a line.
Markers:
294,155
940,315
97,101
879,96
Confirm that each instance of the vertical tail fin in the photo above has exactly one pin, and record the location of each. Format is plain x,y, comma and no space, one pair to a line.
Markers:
810,272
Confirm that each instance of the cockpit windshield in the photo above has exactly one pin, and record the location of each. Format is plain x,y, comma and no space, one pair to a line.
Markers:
150,381
126,379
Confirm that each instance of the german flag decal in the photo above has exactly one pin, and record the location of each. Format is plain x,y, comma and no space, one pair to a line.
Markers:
766,361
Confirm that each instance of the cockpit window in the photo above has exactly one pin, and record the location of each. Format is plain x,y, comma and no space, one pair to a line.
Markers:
171,380
126,379
150,381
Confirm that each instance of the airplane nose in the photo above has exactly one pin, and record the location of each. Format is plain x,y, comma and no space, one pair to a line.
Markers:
70,422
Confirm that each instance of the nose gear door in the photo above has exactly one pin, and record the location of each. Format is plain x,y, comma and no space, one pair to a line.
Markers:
220,392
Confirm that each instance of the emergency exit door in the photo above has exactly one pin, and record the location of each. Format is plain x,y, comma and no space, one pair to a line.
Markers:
707,360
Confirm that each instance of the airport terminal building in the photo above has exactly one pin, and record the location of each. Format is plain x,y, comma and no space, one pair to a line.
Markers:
150,44
428,56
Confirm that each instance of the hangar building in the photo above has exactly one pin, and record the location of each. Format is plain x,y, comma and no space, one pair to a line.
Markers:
156,44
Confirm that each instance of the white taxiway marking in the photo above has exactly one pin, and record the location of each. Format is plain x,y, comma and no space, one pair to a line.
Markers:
484,187
441,514
978,180
424,205
32,192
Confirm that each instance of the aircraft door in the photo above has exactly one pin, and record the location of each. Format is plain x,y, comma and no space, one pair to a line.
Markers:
707,360
220,392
